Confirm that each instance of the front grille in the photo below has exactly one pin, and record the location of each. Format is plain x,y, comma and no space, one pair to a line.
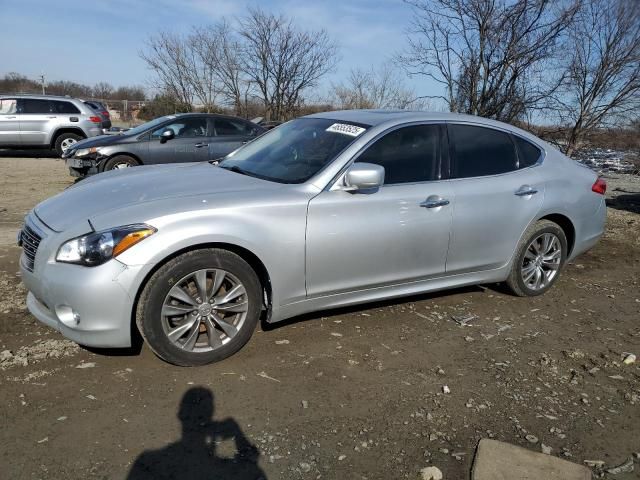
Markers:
30,242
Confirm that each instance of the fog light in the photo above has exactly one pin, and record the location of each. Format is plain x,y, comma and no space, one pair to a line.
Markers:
67,316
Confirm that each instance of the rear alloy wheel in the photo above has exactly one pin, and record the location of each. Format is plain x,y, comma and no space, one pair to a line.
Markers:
199,308
65,141
120,161
539,259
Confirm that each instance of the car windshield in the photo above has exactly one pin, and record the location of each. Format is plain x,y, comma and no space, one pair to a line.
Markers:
295,151
147,126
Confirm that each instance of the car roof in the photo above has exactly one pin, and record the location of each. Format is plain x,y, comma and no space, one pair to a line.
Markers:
378,117
391,118
37,97
212,115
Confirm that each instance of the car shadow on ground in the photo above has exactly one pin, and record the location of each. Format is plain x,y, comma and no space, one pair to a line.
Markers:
36,153
194,455
629,202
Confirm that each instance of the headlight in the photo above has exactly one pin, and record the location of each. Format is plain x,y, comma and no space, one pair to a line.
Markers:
83,152
98,247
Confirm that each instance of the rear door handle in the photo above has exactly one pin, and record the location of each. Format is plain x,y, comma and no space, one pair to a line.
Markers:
200,145
525,191
434,202
11,117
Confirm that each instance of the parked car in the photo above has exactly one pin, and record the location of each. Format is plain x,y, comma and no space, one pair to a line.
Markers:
328,210
115,130
268,125
45,121
101,110
186,137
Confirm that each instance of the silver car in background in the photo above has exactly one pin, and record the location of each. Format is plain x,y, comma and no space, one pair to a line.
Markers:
328,210
46,121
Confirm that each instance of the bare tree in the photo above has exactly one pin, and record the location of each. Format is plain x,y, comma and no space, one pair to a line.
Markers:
375,88
487,54
234,86
283,61
102,90
166,55
602,61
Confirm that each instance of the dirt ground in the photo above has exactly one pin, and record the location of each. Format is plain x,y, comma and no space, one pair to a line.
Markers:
348,394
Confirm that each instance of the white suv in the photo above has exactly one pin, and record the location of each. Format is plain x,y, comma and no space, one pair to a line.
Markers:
45,121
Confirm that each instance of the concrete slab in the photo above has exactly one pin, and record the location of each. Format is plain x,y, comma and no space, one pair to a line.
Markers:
501,461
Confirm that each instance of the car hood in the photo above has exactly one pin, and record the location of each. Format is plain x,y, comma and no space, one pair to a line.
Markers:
100,141
118,189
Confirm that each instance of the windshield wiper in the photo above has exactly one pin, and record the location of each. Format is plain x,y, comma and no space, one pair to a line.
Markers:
234,168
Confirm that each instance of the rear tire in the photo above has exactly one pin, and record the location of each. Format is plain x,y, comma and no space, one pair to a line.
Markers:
120,161
540,256
199,308
64,141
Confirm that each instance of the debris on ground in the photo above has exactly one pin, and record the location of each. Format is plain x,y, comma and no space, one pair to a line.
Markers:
264,375
464,320
430,473
40,350
626,467
629,358
86,365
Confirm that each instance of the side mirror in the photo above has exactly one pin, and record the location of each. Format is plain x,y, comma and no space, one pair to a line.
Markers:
168,134
363,176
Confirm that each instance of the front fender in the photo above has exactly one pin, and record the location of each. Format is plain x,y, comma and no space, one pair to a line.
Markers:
274,234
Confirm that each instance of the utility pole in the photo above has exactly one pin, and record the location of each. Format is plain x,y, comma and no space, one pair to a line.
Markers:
43,85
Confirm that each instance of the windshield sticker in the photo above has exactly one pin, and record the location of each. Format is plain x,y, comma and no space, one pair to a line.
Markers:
346,129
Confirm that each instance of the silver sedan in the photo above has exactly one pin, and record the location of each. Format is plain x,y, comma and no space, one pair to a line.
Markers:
328,210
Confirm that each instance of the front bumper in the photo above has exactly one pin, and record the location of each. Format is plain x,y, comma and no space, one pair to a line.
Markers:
92,306
80,167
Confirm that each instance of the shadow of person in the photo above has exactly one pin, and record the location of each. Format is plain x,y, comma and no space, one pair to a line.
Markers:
194,455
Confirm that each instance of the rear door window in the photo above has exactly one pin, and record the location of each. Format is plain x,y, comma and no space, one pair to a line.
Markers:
528,153
64,107
225,126
408,154
34,106
481,151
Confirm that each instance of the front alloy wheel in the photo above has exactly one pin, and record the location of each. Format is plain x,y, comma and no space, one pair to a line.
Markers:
200,307
204,310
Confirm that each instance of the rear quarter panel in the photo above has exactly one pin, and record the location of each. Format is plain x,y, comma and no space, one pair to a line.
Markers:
568,192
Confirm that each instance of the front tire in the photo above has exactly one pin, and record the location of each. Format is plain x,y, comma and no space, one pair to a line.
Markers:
201,307
120,161
540,256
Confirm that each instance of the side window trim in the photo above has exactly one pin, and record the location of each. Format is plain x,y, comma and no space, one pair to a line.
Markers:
336,179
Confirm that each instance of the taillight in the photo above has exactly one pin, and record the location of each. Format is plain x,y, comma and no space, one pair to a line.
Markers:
95,119
599,186
105,113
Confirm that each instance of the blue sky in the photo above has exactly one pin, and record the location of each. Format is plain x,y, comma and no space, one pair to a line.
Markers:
89,41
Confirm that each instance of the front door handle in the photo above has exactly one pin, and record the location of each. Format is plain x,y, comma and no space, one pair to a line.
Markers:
200,145
434,202
525,191
11,117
